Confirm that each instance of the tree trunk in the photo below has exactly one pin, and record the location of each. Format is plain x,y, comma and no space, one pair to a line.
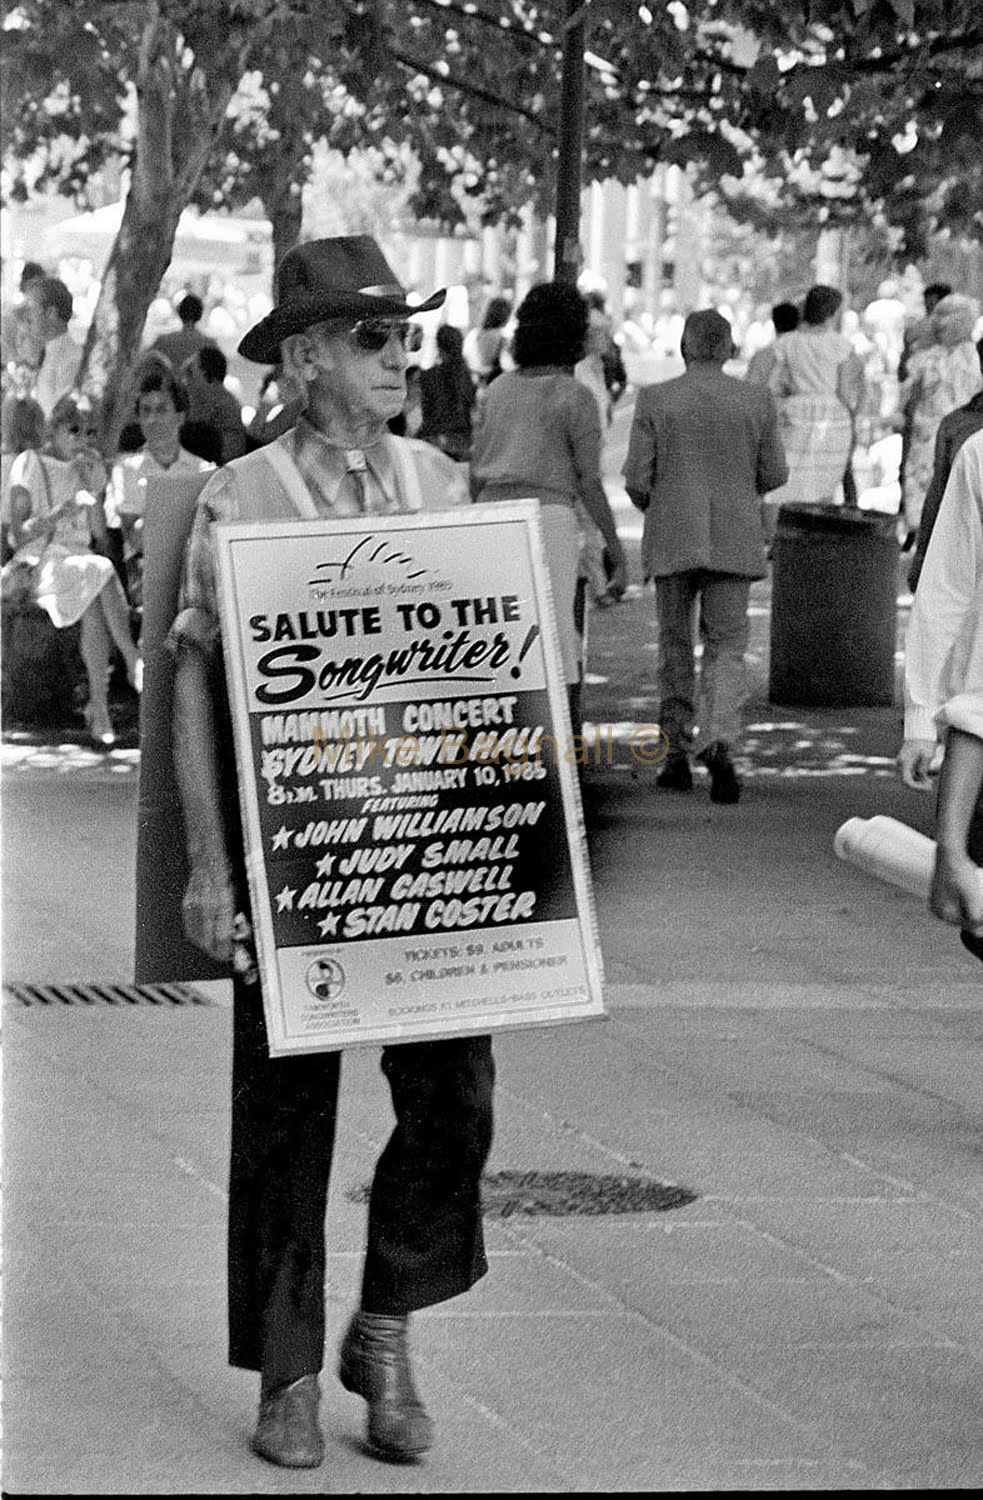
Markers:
180,112
283,203
136,265
567,251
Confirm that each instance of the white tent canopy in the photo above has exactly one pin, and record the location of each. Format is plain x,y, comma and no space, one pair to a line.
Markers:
204,242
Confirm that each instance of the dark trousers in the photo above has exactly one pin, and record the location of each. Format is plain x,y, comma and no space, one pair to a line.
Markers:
721,602
974,848
425,1240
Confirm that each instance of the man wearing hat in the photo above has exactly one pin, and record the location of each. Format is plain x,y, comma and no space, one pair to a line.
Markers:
704,448
339,327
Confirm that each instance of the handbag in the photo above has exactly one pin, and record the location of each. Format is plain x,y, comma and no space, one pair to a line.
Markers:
18,576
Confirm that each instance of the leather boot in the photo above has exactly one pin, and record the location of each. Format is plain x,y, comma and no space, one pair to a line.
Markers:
375,1364
676,775
724,784
287,1432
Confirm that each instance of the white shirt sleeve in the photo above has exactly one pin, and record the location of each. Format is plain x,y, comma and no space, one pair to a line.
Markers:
114,495
948,598
964,712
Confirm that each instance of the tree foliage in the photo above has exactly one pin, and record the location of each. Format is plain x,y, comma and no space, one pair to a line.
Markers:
860,107
150,80
829,108
845,106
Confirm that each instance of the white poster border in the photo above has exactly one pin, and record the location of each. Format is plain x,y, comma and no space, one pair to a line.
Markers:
525,516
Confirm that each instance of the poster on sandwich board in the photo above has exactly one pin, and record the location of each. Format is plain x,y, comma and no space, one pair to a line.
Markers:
407,778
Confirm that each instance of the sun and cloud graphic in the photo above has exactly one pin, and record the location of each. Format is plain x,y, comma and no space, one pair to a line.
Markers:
383,554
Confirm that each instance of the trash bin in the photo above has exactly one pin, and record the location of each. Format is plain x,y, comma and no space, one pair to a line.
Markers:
834,607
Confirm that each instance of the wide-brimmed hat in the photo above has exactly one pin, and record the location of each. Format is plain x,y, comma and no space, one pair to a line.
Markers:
347,276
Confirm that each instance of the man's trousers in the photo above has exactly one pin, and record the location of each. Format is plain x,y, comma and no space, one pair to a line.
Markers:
974,848
425,1240
723,623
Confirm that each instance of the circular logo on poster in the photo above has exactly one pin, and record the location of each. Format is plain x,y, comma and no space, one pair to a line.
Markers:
325,979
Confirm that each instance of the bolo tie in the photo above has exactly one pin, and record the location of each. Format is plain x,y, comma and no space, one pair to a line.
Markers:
357,467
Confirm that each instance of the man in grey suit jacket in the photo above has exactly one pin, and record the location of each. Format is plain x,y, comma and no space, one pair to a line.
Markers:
704,449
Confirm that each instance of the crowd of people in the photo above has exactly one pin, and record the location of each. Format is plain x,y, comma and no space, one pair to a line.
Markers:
524,400
483,402
707,469
184,417
72,522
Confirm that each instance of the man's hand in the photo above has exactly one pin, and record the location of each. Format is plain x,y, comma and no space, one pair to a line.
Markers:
91,472
915,761
956,896
209,909
618,581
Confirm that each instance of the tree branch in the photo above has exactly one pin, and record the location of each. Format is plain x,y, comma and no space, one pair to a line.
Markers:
472,90
534,38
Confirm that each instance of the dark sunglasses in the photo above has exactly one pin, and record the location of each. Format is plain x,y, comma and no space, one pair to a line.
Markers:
373,334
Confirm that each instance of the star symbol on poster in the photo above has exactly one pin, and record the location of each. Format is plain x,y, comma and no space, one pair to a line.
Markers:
324,865
285,899
329,925
281,839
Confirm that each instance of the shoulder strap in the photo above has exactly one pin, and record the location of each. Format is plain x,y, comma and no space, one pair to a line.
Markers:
283,464
409,479
45,483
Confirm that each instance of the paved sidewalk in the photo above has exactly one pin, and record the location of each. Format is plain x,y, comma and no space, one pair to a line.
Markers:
796,1045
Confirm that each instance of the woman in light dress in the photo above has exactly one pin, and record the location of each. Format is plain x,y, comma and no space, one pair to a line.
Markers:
818,382
56,519
942,374
591,371
483,346
539,435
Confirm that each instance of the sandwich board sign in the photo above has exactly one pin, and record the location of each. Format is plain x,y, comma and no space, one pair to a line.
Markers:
407,779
